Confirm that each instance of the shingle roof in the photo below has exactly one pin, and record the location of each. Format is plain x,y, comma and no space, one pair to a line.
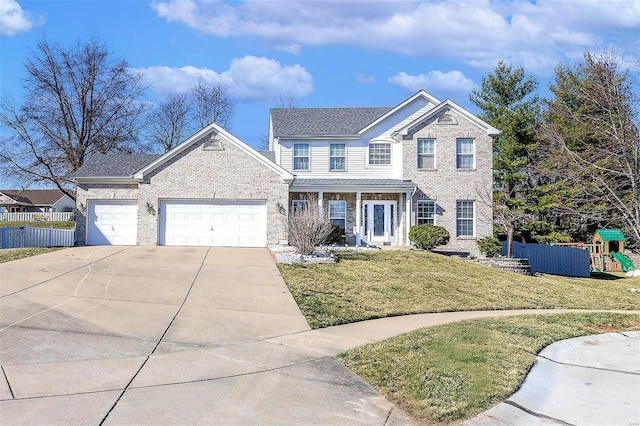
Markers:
36,197
611,235
114,165
271,155
323,121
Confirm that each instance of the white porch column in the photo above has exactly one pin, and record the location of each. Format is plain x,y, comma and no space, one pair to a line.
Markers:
408,216
358,217
320,203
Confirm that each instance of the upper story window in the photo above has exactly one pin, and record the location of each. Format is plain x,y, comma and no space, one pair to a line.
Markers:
338,213
300,156
426,212
337,156
465,149
380,153
465,218
426,153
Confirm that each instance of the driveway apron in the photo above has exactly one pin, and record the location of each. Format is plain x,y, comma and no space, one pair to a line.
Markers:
166,335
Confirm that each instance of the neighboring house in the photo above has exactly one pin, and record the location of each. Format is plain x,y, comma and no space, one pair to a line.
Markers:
376,171
380,170
35,200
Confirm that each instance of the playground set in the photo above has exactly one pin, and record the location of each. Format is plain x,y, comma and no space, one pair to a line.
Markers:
606,252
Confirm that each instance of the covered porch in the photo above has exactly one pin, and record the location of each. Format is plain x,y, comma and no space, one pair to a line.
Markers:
371,211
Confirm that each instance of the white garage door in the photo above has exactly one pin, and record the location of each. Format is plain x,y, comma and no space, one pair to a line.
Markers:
218,224
112,222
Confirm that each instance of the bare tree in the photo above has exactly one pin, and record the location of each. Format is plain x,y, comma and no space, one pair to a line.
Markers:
211,104
308,227
79,101
169,121
285,100
588,156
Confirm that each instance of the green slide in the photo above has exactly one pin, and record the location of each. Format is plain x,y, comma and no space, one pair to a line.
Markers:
627,264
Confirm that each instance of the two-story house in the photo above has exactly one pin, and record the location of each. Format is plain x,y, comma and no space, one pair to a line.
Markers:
377,171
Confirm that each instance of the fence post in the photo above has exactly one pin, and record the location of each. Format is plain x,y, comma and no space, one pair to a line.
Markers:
24,236
5,237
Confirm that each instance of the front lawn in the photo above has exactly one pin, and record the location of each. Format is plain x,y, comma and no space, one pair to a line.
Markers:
366,285
452,372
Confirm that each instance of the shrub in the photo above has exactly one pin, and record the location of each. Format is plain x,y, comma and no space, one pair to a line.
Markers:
428,237
489,246
336,235
307,229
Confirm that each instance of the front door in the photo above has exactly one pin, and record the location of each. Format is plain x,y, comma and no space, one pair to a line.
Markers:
380,221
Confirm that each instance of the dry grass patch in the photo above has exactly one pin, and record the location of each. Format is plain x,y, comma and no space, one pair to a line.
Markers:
8,255
366,285
452,372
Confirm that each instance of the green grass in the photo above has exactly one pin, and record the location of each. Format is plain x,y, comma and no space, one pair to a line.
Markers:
69,224
366,285
452,372
8,255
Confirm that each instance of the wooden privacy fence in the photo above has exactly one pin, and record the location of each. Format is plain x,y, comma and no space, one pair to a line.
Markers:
567,261
36,217
25,236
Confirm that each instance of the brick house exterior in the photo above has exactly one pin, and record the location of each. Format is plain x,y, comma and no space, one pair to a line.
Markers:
210,168
374,171
431,163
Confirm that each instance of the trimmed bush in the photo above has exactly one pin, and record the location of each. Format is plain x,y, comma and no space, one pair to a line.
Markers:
489,246
428,237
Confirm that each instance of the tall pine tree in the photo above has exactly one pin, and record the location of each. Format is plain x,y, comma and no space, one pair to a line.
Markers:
507,102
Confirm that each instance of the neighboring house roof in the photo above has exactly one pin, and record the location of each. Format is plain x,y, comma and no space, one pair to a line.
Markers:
611,235
34,197
351,185
323,121
114,165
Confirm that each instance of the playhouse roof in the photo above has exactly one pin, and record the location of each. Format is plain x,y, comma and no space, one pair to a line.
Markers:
611,235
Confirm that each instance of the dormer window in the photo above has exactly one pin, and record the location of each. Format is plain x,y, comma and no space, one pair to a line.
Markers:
380,153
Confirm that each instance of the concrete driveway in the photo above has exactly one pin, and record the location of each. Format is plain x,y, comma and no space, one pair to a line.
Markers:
163,335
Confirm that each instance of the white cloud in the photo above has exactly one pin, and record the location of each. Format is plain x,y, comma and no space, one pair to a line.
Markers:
13,19
536,35
249,78
435,82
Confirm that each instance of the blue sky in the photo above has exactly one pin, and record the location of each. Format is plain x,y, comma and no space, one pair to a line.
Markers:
324,53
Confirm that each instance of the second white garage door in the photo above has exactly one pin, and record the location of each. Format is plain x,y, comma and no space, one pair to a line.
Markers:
218,224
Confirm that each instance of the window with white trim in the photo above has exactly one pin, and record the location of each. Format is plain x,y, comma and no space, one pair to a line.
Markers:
300,156
426,153
338,213
465,149
299,205
379,153
465,218
337,157
426,213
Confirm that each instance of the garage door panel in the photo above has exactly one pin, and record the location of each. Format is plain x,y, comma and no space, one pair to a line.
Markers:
213,223
112,222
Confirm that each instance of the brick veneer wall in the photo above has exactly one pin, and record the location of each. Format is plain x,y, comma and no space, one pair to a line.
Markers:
229,174
446,184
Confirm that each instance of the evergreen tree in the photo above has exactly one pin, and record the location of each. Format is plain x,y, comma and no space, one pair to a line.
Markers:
507,103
